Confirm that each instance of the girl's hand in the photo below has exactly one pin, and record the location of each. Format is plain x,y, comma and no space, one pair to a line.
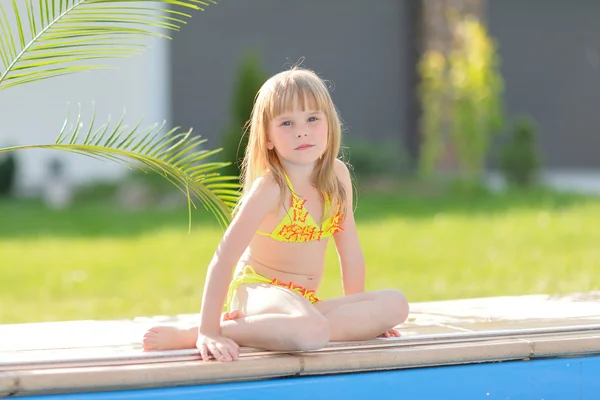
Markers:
390,333
221,348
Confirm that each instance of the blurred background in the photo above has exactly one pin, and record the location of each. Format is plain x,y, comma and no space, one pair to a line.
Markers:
470,126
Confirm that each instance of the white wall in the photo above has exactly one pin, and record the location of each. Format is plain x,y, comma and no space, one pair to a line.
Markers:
34,113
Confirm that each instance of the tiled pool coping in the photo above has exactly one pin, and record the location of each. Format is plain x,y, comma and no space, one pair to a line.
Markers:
86,356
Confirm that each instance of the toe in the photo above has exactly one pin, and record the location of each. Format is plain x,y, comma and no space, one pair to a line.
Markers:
148,344
149,334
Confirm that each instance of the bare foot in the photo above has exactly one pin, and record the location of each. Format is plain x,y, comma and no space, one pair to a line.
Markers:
390,333
172,338
169,338
230,316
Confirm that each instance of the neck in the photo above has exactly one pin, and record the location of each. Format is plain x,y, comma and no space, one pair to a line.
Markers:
300,175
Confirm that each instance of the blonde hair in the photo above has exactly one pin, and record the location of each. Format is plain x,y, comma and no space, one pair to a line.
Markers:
277,96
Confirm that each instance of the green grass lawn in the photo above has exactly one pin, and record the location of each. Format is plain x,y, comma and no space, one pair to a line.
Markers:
96,262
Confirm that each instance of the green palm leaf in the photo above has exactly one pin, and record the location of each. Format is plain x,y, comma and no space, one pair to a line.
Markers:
174,155
58,37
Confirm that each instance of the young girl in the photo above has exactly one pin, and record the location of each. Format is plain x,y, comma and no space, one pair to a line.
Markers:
296,195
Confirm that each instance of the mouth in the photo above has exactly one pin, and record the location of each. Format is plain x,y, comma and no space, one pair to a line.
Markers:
304,146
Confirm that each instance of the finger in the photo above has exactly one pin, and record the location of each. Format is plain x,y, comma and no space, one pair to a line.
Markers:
203,352
233,344
230,350
228,353
397,333
234,350
215,351
224,350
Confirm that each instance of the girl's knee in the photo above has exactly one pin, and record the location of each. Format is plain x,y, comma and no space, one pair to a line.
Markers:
395,304
312,333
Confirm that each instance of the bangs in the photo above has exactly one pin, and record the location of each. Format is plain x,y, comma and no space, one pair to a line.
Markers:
285,94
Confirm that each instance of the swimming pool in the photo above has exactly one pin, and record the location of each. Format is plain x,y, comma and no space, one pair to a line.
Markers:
561,378
529,347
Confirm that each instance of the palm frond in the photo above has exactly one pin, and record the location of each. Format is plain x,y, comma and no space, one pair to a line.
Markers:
174,155
57,37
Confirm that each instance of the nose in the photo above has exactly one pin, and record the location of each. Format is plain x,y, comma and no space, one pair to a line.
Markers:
300,134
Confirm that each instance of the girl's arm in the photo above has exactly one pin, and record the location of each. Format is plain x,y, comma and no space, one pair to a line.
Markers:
262,197
352,261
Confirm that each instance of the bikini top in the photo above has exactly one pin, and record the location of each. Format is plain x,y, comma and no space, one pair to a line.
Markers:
299,226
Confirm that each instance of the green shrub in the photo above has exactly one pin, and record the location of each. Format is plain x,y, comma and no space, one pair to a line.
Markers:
519,158
250,78
461,98
8,172
371,159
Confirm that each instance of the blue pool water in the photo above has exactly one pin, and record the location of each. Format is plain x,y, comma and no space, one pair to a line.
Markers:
547,379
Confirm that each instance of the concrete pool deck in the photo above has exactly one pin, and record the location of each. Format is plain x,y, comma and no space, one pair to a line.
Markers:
87,356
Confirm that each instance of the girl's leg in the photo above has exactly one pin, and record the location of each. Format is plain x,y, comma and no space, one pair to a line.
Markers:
364,316
273,318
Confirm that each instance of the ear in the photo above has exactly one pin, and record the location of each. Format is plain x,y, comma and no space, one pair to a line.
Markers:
270,145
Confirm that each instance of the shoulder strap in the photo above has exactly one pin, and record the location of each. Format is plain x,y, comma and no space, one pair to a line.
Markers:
289,183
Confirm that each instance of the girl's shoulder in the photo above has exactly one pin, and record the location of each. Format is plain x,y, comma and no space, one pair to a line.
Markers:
265,187
261,197
341,171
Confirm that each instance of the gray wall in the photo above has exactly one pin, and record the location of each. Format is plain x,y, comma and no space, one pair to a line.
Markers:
363,49
550,53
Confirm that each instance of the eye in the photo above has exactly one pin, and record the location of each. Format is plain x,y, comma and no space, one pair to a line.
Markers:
313,119
286,123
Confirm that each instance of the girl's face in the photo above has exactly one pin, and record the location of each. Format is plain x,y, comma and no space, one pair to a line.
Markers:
298,136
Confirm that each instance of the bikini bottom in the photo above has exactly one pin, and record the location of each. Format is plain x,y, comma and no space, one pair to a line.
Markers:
248,275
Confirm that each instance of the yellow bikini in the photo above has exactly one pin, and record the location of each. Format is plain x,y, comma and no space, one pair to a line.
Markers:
248,275
299,226
296,226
